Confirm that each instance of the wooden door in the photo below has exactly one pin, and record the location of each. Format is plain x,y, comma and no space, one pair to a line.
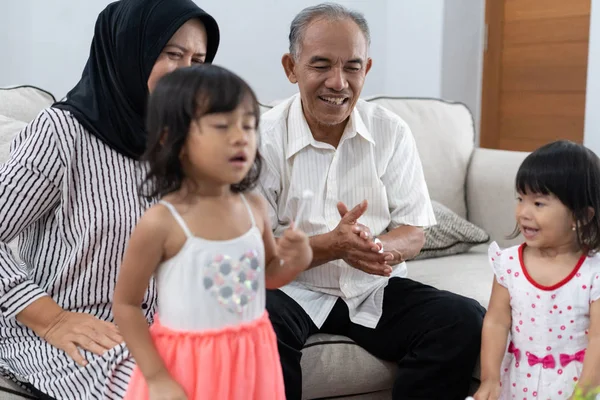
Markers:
535,72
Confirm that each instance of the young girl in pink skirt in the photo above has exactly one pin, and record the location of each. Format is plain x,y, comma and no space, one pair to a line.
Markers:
208,247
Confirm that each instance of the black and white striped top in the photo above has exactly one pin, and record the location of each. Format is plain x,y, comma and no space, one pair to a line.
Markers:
73,202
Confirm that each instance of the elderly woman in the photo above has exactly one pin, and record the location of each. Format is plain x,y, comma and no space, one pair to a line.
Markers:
69,191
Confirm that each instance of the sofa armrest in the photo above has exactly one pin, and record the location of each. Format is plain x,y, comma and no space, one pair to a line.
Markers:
491,192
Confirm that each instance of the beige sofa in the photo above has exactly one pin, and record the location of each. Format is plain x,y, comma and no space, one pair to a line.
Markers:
475,183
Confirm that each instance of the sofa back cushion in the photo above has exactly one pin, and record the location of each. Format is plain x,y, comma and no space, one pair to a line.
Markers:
23,103
18,106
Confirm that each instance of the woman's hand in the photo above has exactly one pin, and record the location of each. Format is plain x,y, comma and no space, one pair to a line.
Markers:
70,331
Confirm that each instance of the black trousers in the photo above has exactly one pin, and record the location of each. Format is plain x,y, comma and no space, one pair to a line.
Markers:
433,335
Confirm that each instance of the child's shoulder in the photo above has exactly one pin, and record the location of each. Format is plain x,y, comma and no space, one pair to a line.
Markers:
503,261
157,217
256,200
499,255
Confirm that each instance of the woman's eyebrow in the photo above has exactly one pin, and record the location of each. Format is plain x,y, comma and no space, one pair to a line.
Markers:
184,49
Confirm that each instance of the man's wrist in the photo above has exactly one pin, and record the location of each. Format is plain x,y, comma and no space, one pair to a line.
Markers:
324,249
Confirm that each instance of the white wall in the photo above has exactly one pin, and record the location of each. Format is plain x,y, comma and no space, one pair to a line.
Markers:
46,43
592,101
414,48
462,55
253,45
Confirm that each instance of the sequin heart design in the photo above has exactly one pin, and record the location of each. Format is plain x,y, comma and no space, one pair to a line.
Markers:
234,283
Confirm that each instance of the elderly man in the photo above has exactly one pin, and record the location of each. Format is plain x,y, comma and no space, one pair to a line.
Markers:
357,154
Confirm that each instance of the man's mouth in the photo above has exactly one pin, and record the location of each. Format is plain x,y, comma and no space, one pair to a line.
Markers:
336,101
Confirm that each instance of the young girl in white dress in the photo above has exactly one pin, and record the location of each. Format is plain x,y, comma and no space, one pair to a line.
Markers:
545,290
209,245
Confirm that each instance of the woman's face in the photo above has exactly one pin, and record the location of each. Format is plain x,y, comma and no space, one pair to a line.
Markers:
186,47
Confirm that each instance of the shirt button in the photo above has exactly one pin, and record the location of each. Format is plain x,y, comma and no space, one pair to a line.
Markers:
144,306
3,309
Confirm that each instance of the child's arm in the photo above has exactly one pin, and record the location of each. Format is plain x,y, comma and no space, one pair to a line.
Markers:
496,327
293,248
590,376
143,255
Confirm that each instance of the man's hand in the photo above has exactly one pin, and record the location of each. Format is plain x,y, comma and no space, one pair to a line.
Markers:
353,243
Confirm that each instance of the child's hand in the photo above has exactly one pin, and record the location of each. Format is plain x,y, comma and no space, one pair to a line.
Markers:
165,388
488,390
294,249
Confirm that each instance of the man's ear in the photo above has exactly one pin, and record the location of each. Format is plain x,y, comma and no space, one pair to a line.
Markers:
288,66
369,65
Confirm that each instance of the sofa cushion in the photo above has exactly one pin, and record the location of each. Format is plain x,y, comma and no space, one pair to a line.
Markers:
468,274
491,192
445,137
11,391
23,103
329,360
451,235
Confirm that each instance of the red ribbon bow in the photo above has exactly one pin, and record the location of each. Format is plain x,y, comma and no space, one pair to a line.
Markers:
547,362
566,358
512,349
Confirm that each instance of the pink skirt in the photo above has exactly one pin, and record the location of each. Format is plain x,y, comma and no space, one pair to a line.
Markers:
234,363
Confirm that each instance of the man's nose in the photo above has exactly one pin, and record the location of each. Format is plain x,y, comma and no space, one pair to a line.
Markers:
337,80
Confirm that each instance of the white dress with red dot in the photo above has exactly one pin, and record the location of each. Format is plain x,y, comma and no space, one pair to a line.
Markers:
549,326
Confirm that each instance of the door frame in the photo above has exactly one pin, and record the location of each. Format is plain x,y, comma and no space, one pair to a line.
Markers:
492,74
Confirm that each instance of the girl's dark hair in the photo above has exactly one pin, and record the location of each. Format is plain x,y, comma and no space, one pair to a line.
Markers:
180,97
571,172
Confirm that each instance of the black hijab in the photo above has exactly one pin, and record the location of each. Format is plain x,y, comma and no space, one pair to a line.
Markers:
110,99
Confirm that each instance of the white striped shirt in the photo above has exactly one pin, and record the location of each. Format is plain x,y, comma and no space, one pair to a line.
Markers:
377,160
73,202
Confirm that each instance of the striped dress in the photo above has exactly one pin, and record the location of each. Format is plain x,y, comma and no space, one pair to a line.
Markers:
73,203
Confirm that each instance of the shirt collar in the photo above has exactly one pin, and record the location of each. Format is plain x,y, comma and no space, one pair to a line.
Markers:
300,136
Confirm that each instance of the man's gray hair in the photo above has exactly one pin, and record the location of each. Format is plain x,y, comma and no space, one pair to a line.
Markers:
330,11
